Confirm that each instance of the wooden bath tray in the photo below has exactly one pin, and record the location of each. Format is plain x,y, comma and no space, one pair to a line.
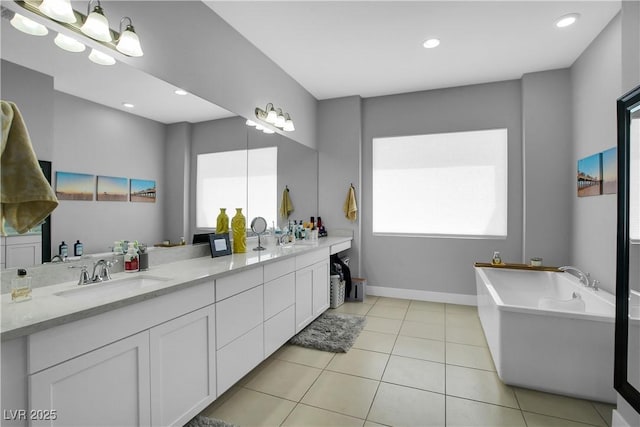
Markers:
518,267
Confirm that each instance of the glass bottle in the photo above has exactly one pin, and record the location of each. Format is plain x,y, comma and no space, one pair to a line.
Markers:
21,286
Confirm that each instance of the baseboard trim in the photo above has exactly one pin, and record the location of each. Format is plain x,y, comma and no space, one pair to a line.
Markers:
617,420
416,294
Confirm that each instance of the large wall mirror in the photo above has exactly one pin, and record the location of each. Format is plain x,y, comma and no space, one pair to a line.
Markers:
627,348
71,127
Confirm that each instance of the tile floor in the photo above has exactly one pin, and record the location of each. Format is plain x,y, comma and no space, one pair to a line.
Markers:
415,364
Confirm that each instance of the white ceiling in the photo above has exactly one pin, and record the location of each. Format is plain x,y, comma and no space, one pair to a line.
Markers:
107,85
372,48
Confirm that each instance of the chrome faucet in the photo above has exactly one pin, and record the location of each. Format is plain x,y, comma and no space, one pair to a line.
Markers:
584,278
84,274
101,270
58,258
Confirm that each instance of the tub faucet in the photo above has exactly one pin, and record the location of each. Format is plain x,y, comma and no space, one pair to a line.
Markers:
584,278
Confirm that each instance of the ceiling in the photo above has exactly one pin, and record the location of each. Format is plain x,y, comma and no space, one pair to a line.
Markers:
373,48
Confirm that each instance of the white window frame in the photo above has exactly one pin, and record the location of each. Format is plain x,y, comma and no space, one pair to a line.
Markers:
430,161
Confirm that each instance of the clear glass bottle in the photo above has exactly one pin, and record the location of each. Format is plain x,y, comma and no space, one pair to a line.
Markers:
21,287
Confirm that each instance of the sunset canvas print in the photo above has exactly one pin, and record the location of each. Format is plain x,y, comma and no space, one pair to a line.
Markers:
143,190
112,189
74,186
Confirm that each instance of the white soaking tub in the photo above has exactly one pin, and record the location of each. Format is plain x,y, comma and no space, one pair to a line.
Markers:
543,338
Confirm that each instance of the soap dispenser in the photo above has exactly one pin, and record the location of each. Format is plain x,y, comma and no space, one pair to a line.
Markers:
131,259
496,260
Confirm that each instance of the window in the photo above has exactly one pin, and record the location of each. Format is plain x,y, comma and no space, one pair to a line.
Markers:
244,179
447,184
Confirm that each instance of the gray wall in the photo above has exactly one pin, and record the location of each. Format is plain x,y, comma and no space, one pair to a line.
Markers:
217,63
339,142
440,264
91,138
177,172
33,94
595,79
548,178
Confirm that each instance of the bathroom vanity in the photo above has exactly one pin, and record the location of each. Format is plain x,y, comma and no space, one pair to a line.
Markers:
156,347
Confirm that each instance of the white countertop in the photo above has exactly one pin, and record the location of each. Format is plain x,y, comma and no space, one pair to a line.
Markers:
46,309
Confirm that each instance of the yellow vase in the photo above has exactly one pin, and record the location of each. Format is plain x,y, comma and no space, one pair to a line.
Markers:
222,222
239,229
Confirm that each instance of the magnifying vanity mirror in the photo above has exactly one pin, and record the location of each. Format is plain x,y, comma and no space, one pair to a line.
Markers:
259,226
627,347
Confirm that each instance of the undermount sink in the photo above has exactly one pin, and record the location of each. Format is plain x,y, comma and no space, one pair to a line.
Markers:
101,289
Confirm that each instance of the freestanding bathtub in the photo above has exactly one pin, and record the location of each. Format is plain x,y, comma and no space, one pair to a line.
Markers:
547,331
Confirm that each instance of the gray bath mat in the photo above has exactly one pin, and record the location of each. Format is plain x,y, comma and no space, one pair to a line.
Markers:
201,421
331,332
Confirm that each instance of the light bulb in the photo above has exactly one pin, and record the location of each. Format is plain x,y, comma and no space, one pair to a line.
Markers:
96,26
129,43
288,124
28,26
68,43
60,10
567,20
101,58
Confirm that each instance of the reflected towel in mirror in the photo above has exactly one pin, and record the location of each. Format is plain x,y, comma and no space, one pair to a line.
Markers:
286,206
350,207
26,196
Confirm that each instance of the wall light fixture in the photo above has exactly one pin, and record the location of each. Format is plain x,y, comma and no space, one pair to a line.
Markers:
274,116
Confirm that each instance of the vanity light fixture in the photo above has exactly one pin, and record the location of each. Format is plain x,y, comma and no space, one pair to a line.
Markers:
96,25
60,10
567,20
128,42
101,58
28,26
431,43
275,117
54,14
68,43
250,123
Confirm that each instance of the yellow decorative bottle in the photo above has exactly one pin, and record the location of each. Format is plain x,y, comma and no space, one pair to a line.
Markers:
239,229
222,222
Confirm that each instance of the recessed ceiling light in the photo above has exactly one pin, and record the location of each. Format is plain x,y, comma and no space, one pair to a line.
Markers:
128,105
431,43
567,20
180,92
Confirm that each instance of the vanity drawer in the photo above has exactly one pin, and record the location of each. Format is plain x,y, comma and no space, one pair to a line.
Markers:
278,330
279,268
238,282
309,258
237,315
238,358
279,294
339,247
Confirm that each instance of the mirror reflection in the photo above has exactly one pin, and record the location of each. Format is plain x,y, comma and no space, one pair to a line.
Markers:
77,121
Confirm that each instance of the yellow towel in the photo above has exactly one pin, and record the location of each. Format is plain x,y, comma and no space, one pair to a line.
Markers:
350,207
26,196
286,207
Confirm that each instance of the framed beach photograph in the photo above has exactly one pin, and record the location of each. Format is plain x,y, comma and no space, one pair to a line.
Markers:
590,176
74,186
610,171
112,189
219,244
143,190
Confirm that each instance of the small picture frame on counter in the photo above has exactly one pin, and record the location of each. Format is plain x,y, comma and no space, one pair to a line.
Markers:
219,244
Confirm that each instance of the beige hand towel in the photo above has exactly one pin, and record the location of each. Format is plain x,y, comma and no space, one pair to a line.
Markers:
286,207
350,207
26,196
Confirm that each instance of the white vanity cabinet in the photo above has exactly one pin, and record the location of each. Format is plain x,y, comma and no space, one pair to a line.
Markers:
110,383
312,286
22,251
140,365
183,372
